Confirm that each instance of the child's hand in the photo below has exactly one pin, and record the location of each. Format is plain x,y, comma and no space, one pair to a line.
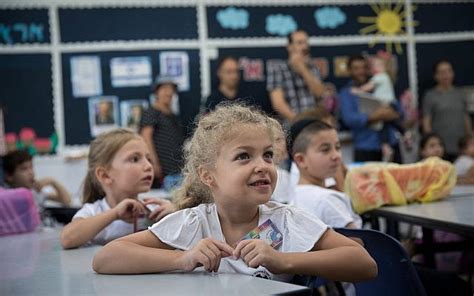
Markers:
256,252
164,208
356,91
384,113
208,253
128,209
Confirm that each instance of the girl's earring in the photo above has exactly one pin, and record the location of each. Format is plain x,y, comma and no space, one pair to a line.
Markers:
209,181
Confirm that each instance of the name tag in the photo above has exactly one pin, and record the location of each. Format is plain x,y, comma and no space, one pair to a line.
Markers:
267,232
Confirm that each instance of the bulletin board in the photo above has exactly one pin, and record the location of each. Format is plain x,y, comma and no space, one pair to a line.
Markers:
76,108
316,20
444,17
26,79
26,93
107,24
24,26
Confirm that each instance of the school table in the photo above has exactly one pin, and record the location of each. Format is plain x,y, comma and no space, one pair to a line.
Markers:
461,190
34,264
454,214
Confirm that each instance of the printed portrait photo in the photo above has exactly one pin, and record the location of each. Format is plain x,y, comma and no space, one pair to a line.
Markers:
103,114
131,113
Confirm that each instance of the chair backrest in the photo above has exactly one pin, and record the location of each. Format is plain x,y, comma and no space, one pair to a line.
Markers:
396,273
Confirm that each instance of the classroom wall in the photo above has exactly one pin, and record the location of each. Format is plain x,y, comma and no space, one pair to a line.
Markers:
40,39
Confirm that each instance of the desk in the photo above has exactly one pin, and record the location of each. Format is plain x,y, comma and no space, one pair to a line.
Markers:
455,214
35,264
462,190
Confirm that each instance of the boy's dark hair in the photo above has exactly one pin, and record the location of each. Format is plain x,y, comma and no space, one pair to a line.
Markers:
13,159
464,142
354,58
301,132
318,113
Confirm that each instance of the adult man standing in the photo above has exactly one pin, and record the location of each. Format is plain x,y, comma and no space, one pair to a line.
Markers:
162,132
295,85
367,142
228,73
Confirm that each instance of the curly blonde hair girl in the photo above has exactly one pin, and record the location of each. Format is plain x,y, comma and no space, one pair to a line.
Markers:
211,132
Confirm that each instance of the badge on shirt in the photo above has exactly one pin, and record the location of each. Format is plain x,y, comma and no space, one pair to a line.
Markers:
141,223
267,232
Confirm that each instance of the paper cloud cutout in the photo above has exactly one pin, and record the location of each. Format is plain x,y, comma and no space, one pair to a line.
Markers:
329,17
233,18
280,24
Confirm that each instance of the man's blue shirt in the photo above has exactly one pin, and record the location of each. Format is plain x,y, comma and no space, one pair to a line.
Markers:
363,137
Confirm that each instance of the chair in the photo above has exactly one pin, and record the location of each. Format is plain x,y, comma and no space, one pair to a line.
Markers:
396,273
62,215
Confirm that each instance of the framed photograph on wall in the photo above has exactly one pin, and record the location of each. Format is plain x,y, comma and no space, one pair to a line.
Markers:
103,114
131,113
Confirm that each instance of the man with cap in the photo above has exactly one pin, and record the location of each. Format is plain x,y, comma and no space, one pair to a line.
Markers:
162,131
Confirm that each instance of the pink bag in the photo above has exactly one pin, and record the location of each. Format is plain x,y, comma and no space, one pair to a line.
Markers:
18,211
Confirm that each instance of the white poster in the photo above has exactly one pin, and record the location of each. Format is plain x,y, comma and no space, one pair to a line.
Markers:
175,64
86,77
103,114
130,71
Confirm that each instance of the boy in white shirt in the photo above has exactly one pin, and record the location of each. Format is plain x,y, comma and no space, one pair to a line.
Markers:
315,149
336,182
